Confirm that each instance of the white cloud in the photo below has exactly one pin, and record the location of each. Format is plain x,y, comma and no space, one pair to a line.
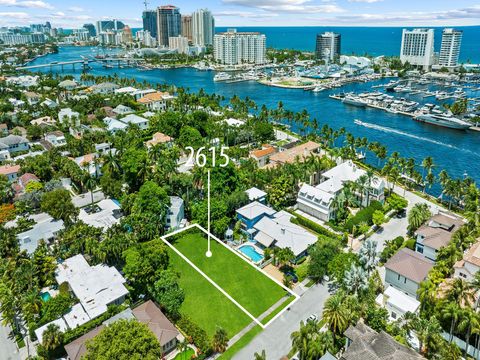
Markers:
14,15
32,4
365,1
287,6
76,9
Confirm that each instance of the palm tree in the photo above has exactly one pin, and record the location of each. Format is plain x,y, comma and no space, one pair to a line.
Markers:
426,293
335,315
368,255
417,215
469,320
355,280
461,292
428,332
220,340
90,184
52,337
451,311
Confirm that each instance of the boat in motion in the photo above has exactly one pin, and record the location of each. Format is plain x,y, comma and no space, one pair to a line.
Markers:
444,121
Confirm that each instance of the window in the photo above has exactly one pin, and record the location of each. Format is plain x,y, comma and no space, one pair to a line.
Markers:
404,280
394,316
398,278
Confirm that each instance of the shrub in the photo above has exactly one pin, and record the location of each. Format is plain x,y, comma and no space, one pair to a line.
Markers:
395,202
309,224
54,308
410,243
365,215
63,288
198,336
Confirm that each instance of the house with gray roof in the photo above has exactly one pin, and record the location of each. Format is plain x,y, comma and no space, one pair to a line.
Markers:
104,88
364,343
14,143
406,270
141,122
46,228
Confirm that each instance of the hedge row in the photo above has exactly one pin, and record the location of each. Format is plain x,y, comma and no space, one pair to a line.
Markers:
309,224
364,215
198,336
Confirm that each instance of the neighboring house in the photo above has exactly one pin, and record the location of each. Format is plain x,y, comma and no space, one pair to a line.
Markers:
318,200
255,194
69,116
159,138
62,326
156,101
251,213
22,182
470,264
3,130
4,154
46,228
297,153
103,148
397,303
436,233
406,270
87,162
49,103
104,88
20,131
10,171
95,287
113,125
68,85
122,110
32,97
43,121
55,138
364,343
262,156
102,215
176,213
14,144
141,122
129,90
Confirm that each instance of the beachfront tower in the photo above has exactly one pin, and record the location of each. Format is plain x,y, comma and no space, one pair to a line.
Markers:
417,48
328,46
187,27
450,49
169,23
203,27
149,18
234,48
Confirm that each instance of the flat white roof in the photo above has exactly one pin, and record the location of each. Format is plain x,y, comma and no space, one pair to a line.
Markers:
76,316
255,193
104,218
399,300
133,119
254,210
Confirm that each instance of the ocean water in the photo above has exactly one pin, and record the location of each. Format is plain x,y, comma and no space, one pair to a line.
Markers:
456,151
374,41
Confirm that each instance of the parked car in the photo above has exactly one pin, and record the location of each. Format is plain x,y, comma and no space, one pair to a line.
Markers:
312,317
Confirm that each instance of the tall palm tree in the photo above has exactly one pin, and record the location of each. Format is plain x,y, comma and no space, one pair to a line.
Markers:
52,337
451,311
355,279
368,255
469,320
417,215
90,184
335,315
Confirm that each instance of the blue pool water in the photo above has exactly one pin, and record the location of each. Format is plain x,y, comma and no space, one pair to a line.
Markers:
45,296
250,251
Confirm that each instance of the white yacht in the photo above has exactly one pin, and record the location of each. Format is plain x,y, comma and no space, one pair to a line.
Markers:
222,77
443,120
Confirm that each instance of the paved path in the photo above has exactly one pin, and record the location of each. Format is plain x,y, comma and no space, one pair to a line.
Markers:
8,348
275,339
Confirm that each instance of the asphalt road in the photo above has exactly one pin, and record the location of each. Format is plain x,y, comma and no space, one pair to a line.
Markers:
275,339
8,349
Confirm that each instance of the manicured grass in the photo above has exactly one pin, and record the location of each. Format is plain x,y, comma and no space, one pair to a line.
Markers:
185,355
241,343
204,304
248,286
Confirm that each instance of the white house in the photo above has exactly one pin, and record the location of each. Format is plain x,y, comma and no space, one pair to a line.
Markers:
156,101
397,303
104,88
141,122
255,194
45,228
101,215
114,125
470,264
176,213
69,116
122,110
55,138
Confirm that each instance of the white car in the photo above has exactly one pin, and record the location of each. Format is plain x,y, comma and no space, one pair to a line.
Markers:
312,317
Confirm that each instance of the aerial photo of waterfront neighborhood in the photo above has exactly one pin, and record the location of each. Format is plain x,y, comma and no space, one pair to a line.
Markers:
237,179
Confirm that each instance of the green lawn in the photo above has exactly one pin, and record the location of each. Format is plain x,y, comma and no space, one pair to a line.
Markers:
248,286
185,355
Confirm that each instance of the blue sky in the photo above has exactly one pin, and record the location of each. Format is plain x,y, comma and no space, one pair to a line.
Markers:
70,14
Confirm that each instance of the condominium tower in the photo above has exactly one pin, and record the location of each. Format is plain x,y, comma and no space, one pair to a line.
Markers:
417,47
187,27
169,23
450,49
232,47
328,46
149,18
203,27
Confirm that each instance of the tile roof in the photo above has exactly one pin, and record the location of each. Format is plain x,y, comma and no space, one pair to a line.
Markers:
158,138
301,151
152,97
9,169
264,151
410,264
471,256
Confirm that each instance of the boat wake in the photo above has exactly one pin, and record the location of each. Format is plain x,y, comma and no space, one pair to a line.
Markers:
402,133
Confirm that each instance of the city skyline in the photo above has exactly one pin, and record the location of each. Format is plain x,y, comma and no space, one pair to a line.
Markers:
69,14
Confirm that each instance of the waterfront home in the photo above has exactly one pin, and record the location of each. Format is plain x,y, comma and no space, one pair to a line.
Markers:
114,125
45,228
298,152
397,303
14,144
251,213
469,265
156,101
69,116
364,343
122,110
318,200
133,119
255,194
176,213
10,171
262,156
436,233
95,287
406,270
129,90
68,85
104,88
159,138
101,215
55,138
32,97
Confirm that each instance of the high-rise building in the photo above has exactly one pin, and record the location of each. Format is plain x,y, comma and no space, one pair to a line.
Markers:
203,27
109,25
187,27
81,34
179,43
450,49
417,47
232,47
150,22
127,36
328,46
169,23
91,29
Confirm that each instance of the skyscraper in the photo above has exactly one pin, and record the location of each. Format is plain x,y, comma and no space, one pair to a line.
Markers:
109,25
232,47
91,29
187,27
150,22
450,49
203,27
169,23
328,46
417,47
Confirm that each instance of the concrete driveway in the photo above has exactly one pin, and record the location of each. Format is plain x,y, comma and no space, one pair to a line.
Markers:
275,339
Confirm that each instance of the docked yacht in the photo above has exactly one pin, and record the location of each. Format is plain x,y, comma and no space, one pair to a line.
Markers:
353,100
222,77
443,120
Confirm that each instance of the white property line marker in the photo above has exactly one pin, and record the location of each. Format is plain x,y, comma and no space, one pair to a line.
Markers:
209,252
263,326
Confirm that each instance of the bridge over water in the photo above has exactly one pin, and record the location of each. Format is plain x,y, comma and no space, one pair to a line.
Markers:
107,62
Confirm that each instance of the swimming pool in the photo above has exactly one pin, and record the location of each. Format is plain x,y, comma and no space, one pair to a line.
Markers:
251,253
45,296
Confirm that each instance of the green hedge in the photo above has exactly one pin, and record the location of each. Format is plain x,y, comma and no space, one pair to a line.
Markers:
309,224
198,336
364,215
